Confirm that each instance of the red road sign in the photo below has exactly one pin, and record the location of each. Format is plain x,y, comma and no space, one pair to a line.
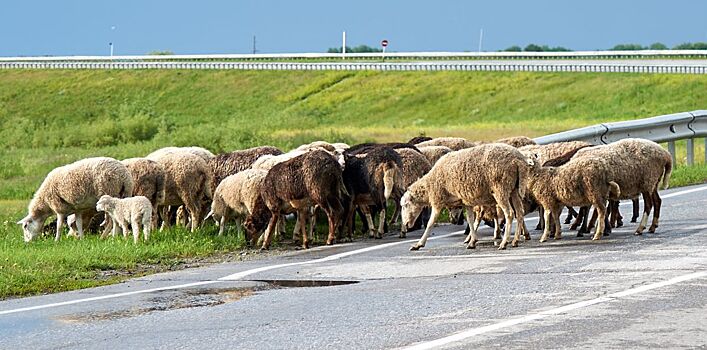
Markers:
384,43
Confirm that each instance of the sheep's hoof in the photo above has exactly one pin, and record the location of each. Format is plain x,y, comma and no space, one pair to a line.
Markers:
471,246
557,238
596,238
514,243
634,219
542,239
502,247
379,236
652,229
637,233
580,234
416,247
262,249
538,227
328,242
620,223
402,235
527,237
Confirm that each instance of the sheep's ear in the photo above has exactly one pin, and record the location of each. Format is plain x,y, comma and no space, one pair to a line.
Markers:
23,221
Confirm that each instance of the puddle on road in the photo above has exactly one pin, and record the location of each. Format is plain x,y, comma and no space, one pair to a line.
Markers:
196,297
182,299
305,283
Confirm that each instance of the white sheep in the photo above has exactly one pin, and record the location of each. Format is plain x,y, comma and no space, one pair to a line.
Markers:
75,188
136,211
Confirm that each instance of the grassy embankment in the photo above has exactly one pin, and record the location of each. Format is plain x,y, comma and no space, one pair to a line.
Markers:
50,118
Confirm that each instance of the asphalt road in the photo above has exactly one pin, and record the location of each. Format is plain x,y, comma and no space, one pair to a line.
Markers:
621,292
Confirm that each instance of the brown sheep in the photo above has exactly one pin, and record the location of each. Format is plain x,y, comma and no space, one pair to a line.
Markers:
414,166
226,164
487,175
314,178
149,180
434,153
187,178
517,141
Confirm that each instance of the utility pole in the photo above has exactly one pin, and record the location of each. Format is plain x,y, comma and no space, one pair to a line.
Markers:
343,45
254,49
481,38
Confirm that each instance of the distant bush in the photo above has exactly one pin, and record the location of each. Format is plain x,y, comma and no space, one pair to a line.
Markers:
544,48
657,46
160,53
691,46
627,47
355,49
514,48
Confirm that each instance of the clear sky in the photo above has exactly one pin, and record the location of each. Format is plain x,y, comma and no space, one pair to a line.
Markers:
85,27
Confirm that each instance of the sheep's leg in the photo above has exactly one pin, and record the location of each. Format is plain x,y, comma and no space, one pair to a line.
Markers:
299,221
381,223
369,220
124,228
433,218
647,205
636,210
508,213
195,218
520,220
584,221
657,202
164,214
333,218
592,220
546,231
268,231
580,219
222,224
571,213
556,221
312,222
350,221
79,225
303,213
471,218
541,220
146,228
600,208
496,228
59,224
136,230
619,219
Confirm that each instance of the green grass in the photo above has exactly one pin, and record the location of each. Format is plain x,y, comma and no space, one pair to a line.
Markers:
52,117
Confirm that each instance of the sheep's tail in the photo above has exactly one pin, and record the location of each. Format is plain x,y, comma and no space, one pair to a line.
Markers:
614,190
667,170
159,188
389,181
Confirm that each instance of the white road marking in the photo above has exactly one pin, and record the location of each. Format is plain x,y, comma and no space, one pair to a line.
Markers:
108,296
674,194
457,337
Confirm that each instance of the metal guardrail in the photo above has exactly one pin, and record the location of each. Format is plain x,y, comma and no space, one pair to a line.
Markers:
374,55
665,128
646,66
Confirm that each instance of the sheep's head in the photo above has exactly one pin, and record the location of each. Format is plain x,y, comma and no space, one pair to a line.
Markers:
410,210
532,158
31,227
103,203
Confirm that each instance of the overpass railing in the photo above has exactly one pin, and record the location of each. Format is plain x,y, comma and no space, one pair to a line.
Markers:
665,128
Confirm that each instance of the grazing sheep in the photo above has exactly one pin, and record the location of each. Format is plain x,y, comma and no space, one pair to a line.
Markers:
75,188
187,179
637,165
487,175
417,139
198,151
580,182
239,196
317,145
370,180
517,141
136,211
414,166
295,185
227,164
455,143
148,181
434,153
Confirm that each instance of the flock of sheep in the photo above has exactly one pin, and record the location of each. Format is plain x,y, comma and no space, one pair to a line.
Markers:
491,182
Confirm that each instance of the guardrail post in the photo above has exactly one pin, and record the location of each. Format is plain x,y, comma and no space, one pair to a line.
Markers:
705,150
671,149
690,151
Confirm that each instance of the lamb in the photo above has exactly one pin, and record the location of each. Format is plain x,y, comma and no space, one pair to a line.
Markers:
455,143
637,165
434,153
136,211
517,141
486,175
198,151
149,180
227,164
187,178
294,185
370,180
580,182
75,188
238,195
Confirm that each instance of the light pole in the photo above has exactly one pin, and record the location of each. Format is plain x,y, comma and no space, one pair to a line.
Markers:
110,44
